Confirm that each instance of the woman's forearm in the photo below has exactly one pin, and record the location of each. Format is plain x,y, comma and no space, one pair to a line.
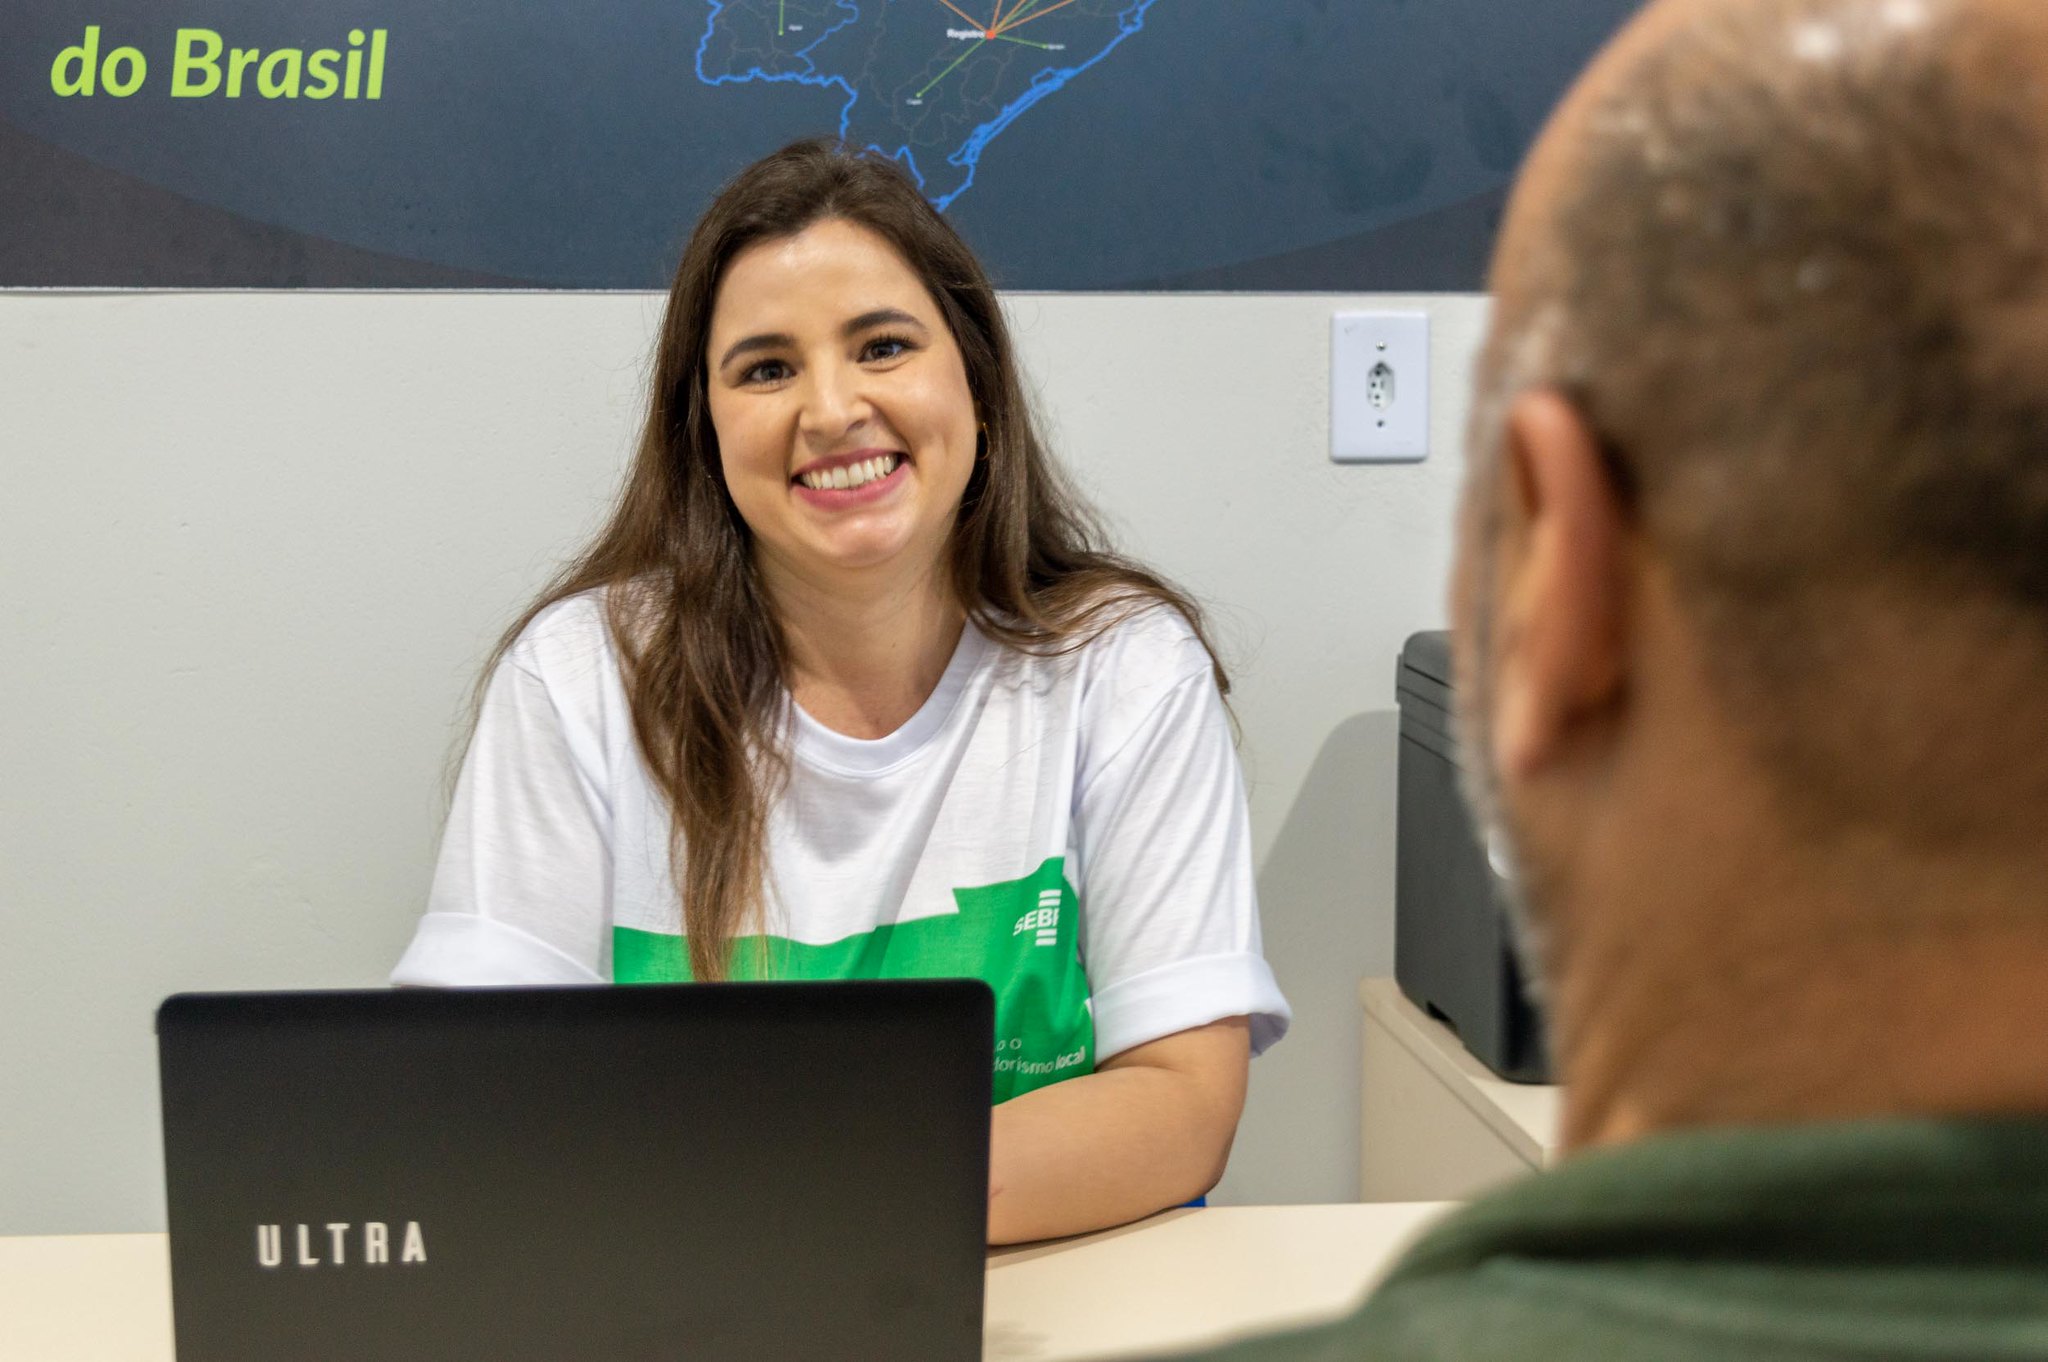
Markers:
1151,1128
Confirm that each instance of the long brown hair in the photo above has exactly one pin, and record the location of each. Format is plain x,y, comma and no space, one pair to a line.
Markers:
701,652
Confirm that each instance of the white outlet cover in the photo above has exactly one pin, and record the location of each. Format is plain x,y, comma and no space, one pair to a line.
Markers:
1395,429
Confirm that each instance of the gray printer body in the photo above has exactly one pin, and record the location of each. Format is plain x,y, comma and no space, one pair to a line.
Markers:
1453,948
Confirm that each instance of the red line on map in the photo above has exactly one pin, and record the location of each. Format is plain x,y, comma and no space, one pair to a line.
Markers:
996,21
1036,14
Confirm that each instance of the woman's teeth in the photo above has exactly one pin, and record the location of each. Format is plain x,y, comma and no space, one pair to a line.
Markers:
851,475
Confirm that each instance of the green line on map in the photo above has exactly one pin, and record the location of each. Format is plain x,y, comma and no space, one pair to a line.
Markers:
1044,47
781,8
949,70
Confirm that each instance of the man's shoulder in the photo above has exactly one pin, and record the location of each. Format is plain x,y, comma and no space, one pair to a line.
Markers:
1829,1240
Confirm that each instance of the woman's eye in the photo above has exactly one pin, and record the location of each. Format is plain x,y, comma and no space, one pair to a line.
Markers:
767,371
884,347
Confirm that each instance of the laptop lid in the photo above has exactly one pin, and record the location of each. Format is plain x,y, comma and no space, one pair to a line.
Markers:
782,1170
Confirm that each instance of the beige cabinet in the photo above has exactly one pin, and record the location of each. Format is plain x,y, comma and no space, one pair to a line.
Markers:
1437,1124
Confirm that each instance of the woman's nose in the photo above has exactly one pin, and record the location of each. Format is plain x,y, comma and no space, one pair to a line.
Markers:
835,401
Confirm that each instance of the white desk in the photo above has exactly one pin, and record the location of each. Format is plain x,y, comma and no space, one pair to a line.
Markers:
1178,1280
1436,1124
1188,1278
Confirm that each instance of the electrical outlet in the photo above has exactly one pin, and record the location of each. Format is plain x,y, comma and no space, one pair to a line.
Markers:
1379,387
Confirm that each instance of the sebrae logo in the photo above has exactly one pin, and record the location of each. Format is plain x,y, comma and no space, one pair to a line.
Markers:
374,1244
1044,919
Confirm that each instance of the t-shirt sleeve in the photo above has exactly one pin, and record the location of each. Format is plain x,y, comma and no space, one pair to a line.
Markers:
1169,913
522,888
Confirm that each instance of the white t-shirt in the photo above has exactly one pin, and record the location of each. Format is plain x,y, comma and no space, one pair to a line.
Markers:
1072,829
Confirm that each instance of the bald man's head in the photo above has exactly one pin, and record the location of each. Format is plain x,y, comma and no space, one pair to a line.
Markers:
1789,259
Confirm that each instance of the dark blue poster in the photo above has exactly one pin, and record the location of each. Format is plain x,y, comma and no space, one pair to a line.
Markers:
1078,144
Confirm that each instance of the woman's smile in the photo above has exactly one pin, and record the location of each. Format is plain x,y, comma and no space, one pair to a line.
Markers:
856,479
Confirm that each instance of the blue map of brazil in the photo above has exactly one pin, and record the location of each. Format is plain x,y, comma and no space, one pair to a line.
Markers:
928,82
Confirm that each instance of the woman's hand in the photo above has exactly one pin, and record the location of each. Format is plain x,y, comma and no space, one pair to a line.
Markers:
1150,1128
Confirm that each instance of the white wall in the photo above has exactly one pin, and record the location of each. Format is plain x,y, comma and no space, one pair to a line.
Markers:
251,548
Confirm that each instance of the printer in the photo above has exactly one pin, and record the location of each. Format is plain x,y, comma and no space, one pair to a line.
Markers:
1453,947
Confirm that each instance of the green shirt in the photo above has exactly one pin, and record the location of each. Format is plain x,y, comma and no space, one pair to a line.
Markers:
1892,1239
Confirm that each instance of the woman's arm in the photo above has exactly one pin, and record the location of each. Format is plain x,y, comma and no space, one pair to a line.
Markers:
1150,1128
1180,993
521,890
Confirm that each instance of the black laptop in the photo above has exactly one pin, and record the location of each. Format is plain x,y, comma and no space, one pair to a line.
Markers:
775,1171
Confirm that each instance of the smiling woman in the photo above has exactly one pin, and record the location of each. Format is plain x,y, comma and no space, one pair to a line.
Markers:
846,426
849,687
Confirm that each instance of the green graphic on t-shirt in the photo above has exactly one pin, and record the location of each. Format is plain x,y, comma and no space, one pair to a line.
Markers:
1020,936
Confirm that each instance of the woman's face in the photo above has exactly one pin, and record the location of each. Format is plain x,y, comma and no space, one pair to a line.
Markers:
845,425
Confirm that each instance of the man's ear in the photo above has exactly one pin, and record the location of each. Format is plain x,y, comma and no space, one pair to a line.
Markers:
1561,582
